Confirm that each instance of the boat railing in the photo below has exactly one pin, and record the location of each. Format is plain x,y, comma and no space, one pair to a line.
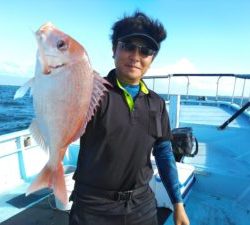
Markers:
13,150
26,157
19,140
170,77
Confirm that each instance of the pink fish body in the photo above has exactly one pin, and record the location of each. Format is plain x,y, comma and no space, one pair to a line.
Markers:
66,92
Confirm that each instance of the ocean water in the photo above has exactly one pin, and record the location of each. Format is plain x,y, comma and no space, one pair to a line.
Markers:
16,114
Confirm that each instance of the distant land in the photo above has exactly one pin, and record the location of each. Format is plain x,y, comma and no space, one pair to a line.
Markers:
13,80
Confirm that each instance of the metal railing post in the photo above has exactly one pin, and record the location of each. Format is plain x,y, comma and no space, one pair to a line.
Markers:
188,83
153,84
20,147
217,88
174,111
232,100
169,87
242,94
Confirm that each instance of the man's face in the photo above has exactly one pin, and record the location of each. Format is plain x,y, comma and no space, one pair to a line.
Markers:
132,62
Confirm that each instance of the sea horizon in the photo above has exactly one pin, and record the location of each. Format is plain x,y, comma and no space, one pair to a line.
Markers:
13,80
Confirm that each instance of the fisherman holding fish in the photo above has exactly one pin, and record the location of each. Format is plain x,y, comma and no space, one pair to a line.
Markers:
114,167
118,119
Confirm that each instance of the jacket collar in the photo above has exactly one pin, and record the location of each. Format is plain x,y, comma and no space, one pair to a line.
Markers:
113,80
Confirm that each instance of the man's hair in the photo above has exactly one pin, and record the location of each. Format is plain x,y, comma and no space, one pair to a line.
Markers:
138,23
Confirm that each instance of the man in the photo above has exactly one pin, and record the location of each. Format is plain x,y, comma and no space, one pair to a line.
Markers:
114,168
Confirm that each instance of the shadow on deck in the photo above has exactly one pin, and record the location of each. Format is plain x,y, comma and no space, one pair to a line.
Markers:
40,214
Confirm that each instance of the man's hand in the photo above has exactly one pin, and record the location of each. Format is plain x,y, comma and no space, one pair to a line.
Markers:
180,216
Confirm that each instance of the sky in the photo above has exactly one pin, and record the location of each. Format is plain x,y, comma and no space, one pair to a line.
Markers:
203,36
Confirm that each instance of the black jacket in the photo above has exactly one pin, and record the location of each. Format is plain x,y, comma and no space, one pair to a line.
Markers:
115,149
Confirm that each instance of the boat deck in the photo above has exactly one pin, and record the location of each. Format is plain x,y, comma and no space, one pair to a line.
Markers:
42,212
221,193
211,113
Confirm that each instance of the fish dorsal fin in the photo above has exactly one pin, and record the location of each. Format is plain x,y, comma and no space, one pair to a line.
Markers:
99,89
22,90
37,135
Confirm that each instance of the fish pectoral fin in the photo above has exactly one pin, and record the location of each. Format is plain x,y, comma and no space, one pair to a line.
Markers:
37,135
22,90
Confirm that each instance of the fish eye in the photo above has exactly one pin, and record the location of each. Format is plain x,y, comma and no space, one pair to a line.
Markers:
61,45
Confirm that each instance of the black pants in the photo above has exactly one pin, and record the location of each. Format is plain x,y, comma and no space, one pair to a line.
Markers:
146,215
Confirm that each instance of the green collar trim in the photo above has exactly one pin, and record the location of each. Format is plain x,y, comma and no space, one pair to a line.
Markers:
143,88
119,85
128,97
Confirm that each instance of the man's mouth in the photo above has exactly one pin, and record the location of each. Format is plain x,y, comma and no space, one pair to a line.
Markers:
132,66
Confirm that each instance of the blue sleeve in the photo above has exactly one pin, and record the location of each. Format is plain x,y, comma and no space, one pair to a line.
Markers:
166,165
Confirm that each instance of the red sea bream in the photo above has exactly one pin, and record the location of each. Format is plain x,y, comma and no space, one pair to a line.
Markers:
66,92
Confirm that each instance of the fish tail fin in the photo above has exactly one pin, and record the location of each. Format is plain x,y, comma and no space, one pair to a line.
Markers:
53,179
43,180
59,186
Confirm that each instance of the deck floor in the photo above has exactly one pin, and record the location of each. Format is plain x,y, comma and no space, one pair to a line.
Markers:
211,115
204,209
221,194
42,213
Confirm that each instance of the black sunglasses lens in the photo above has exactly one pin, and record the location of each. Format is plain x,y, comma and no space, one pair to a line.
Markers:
130,47
146,51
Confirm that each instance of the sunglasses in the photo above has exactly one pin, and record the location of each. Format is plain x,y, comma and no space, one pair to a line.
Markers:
130,47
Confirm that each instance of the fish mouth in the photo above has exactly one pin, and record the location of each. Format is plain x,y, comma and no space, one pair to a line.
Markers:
47,63
57,66
47,69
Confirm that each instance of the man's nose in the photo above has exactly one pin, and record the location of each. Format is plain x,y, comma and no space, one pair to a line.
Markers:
135,53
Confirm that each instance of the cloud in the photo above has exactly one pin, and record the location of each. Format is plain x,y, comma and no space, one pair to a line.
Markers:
177,85
22,67
197,85
181,66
